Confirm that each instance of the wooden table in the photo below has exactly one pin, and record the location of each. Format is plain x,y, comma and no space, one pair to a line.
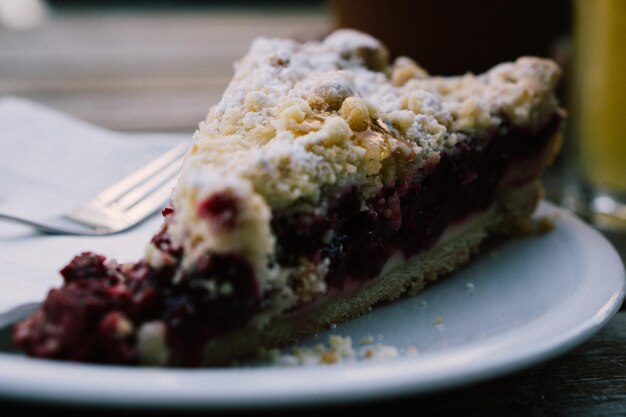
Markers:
162,71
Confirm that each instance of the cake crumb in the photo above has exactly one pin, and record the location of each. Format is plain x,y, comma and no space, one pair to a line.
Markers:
383,352
337,350
439,323
544,225
535,226
329,358
411,350
367,340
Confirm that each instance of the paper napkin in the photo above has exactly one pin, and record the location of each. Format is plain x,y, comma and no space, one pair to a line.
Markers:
49,163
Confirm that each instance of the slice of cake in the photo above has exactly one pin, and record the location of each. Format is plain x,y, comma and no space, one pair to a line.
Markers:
325,181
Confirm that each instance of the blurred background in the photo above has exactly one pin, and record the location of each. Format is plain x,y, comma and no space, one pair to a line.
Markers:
138,65
159,65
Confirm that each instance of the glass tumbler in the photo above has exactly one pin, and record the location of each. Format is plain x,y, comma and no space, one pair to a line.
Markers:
598,119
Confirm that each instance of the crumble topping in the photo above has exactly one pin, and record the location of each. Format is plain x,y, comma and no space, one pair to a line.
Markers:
438,322
249,232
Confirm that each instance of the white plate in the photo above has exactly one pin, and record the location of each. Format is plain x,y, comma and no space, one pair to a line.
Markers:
532,299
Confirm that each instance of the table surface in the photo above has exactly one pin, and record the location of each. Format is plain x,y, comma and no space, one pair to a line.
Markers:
161,71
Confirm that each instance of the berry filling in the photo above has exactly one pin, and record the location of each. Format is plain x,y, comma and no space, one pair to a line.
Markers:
411,216
95,315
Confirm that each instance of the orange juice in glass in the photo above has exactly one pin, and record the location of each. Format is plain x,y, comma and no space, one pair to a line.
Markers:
599,106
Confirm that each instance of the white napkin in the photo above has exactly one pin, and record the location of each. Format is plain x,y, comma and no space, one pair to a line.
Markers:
49,163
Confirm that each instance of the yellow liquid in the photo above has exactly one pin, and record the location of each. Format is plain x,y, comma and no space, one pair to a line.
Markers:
601,91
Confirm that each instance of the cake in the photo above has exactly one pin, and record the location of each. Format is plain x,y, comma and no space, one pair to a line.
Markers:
327,179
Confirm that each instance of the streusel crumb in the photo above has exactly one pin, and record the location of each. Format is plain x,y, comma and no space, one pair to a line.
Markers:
338,349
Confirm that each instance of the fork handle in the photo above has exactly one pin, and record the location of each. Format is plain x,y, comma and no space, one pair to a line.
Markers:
10,317
56,227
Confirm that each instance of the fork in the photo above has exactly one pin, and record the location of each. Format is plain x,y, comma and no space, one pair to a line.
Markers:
120,206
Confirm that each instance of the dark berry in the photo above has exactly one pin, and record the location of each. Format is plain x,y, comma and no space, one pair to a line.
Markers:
222,209
85,265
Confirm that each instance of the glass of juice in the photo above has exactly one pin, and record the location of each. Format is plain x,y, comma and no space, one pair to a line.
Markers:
598,118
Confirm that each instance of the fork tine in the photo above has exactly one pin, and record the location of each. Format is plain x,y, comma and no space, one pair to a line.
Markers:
135,179
120,206
142,191
147,205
